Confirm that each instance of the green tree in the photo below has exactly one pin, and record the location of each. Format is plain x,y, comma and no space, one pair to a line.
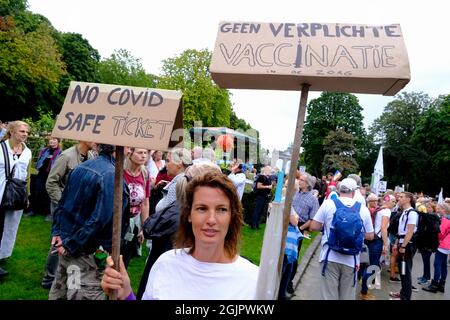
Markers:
398,121
81,62
431,138
124,69
330,112
30,69
202,99
340,150
12,7
80,57
238,123
394,129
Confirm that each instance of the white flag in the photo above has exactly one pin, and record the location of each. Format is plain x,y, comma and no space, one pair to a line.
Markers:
378,172
441,197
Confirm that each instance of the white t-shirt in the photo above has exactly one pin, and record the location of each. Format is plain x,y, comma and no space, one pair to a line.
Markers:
239,182
405,219
359,197
176,275
325,216
378,217
21,163
153,168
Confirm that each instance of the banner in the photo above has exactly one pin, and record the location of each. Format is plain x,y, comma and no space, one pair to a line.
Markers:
121,115
328,56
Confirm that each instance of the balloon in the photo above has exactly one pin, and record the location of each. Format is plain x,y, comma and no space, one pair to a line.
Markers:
225,142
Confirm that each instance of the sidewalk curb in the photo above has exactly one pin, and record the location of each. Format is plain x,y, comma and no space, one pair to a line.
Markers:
306,259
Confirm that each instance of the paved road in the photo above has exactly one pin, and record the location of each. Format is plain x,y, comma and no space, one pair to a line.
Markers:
308,286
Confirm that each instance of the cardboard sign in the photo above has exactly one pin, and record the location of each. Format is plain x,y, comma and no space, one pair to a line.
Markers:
328,56
121,115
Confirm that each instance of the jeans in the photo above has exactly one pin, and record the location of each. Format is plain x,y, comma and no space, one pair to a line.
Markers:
285,278
440,267
375,250
406,291
295,263
426,257
260,203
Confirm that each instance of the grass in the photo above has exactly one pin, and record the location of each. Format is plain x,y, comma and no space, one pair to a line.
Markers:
26,265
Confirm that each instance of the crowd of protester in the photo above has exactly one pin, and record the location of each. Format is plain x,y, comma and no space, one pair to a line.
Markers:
187,212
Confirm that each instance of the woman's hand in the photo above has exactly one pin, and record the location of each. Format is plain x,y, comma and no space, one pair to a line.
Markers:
116,280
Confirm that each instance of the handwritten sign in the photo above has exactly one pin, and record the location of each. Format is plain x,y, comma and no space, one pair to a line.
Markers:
328,56
120,115
382,185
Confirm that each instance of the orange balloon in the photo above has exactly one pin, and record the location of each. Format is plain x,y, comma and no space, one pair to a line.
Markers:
225,142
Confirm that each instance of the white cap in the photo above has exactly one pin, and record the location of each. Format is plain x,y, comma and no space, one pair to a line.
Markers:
347,185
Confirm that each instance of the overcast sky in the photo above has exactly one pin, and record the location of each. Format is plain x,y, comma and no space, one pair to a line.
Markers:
156,30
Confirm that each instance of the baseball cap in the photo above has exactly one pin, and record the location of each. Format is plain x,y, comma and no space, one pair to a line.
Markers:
347,185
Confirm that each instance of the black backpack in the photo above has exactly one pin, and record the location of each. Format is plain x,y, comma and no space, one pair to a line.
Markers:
393,222
255,178
427,235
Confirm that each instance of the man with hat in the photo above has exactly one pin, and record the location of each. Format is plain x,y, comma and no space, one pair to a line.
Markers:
360,193
338,269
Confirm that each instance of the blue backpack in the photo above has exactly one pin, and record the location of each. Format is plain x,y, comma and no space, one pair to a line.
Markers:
346,232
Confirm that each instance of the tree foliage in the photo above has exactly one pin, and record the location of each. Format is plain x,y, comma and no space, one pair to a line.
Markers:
12,7
80,57
30,68
339,148
124,69
202,99
394,129
398,121
238,123
330,112
432,138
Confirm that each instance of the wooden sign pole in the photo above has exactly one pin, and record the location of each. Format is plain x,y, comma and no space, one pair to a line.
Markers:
117,215
292,170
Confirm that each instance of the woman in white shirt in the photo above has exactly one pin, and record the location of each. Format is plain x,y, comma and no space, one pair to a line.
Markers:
206,263
19,156
380,244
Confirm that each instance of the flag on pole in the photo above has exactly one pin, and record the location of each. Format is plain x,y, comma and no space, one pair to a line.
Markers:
441,197
378,172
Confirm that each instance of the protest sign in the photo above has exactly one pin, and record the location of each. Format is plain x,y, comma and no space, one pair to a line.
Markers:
308,56
382,185
121,115
328,56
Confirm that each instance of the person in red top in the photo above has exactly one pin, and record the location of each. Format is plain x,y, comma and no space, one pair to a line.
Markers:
137,179
440,257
